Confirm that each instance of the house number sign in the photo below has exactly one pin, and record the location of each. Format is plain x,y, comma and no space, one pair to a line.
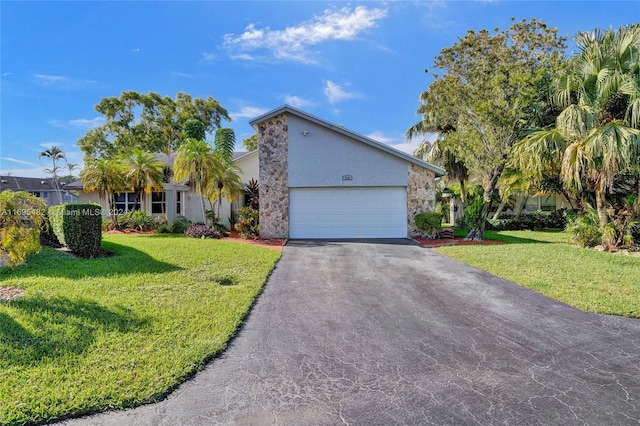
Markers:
347,177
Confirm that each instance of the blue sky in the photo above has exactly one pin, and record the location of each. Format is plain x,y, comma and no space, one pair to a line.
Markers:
358,64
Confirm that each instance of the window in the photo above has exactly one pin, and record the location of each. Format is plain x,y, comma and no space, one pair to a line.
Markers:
44,195
179,203
125,201
158,202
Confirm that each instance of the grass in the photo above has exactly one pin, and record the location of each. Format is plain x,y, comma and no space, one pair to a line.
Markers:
544,261
91,335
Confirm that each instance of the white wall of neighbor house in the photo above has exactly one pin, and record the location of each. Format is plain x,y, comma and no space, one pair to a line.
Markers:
320,157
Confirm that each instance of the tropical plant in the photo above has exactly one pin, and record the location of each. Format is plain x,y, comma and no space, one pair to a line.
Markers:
224,143
252,194
248,223
227,183
106,177
55,154
493,87
137,219
21,218
196,163
597,135
144,174
585,229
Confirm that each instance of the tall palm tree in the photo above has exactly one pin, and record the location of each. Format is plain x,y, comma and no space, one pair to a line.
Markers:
597,135
106,177
144,174
196,163
55,154
227,183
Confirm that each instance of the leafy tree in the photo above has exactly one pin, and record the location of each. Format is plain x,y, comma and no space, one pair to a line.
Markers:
224,143
251,143
21,216
149,122
144,173
194,129
197,164
597,135
106,177
493,87
55,154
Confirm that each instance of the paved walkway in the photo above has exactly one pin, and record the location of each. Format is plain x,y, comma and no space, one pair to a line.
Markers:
384,334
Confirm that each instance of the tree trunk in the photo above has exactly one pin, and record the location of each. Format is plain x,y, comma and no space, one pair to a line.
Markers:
523,204
601,208
498,212
463,194
477,232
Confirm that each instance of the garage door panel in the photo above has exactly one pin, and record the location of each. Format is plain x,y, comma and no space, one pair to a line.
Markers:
348,213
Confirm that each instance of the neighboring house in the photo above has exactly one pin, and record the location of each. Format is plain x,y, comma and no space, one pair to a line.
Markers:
175,199
40,187
320,180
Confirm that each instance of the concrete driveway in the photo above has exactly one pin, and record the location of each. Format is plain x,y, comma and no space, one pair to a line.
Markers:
392,334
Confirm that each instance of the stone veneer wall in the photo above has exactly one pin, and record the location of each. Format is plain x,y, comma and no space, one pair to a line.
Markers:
421,195
273,177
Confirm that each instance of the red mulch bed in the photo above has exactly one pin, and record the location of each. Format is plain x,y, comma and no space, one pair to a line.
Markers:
272,243
458,241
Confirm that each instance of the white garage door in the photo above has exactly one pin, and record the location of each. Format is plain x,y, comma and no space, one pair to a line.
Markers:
348,212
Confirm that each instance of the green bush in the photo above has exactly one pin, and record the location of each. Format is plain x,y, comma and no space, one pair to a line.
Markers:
585,228
79,227
180,225
248,223
202,231
531,222
137,219
472,212
164,229
46,230
429,222
21,217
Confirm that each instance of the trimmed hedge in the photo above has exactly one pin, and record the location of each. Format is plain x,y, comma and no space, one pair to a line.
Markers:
79,227
429,222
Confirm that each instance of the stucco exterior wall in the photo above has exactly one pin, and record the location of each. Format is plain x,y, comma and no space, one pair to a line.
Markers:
273,177
321,157
421,196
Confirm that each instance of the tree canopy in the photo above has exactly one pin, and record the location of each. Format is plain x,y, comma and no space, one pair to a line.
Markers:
149,122
491,86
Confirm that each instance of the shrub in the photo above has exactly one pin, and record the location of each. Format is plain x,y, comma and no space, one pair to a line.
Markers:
79,227
180,225
137,219
47,235
21,217
531,222
248,223
202,231
429,222
585,228
472,212
164,229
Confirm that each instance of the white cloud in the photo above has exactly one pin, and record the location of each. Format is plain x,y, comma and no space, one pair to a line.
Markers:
207,57
37,172
61,81
178,74
80,123
248,112
83,123
335,93
50,144
136,50
297,101
15,160
292,43
380,137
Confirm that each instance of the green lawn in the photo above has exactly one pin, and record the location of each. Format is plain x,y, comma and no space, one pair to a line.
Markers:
89,335
597,282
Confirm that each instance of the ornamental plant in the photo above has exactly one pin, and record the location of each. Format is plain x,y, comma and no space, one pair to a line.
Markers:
21,216
202,231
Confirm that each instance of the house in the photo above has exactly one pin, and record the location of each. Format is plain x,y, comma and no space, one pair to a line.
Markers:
321,180
40,187
175,199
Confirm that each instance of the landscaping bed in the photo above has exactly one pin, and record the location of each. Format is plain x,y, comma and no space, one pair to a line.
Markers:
94,334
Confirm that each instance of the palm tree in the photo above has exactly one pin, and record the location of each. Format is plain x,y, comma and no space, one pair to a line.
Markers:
145,173
597,135
224,143
54,154
196,163
105,176
227,183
